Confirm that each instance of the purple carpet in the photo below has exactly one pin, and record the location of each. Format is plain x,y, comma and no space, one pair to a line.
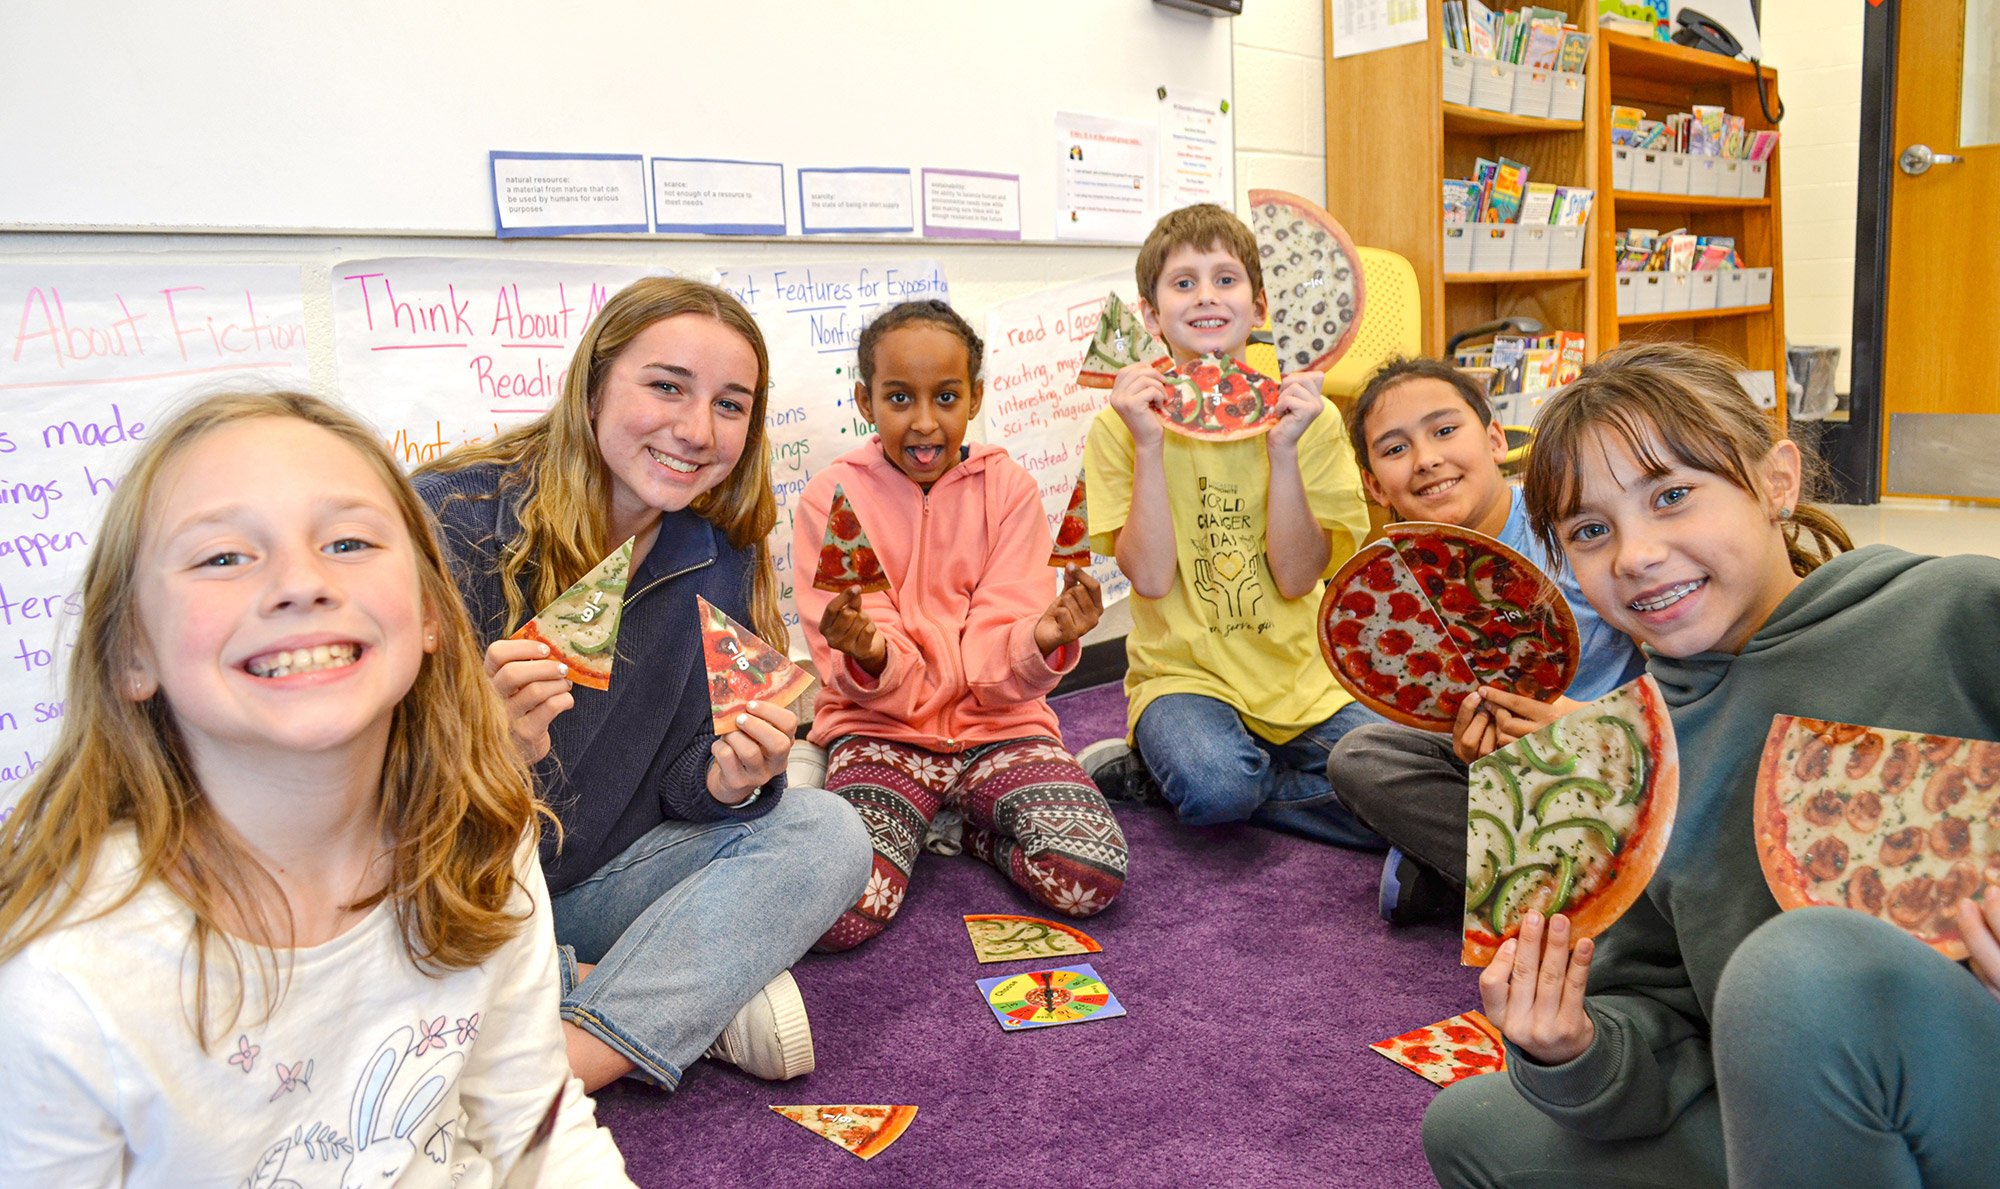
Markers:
1255,972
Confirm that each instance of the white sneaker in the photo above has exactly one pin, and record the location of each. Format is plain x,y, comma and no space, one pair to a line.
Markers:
806,766
770,1037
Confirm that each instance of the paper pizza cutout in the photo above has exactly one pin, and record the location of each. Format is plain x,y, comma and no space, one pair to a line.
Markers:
1312,276
1412,624
1073,537
864,1130
1049,998
1448,1051
1897,824
846,559
580,628
1003,937
1219,399
742,668
1120,341
1572,819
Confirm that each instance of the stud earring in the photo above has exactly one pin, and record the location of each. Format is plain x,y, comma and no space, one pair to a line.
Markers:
1784,513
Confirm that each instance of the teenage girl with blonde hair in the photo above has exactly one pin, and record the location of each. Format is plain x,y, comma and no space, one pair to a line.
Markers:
689,878
270,911
1706,1038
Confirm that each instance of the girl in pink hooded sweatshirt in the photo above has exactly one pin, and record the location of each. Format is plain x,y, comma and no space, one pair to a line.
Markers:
935,690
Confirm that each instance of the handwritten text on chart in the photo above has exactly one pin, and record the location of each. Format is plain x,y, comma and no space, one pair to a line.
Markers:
92,357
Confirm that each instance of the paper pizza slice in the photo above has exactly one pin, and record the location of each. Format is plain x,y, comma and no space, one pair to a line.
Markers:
580,627
1073,537
1004,937
1508,619
1120,341
1312,275
1219,399
864,1130
1386,644
846,559
742,668
1896,824
1572,819
1448,1051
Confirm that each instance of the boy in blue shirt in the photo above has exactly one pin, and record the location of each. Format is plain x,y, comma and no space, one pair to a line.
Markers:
1429,449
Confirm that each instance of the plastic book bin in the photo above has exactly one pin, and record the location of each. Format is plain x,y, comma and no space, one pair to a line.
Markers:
1532,90
1493,246
1493,85
1707,288
1755,175
1458,247
1731,185
1566,97
1646,171
1673,173
1680,293
1732,286
1628,294
1621,166
1652,293
1705,177
1565,247
1758,292
1531,247
1457,76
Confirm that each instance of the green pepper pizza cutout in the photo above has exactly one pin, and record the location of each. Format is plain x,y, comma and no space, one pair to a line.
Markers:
580,628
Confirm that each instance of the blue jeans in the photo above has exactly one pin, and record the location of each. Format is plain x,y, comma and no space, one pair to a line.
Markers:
1213,769
695,917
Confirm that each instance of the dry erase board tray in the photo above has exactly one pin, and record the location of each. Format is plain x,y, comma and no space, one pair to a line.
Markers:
932,244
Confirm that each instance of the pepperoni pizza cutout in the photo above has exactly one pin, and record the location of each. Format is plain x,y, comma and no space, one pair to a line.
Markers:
1572,819
1448,1051
1218,399
1385,643
1073,537
580,628
1507,618
1897,824
846,559
1121,340
743,669
864,1130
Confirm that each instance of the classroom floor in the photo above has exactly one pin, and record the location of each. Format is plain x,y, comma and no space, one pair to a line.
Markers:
1924,526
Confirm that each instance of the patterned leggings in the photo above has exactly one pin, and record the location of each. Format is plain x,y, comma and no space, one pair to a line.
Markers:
1028,810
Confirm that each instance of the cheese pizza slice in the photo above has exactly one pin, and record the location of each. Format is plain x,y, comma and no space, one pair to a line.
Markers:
743,669
1897,824
862,1130
1073,537
1386,644
1120,341
846,559
1448,1051
1572,819
580,627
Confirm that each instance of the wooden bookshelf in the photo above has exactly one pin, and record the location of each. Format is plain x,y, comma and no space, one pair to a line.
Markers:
1391,141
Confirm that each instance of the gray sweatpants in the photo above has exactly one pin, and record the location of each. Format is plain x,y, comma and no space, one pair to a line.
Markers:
1846,1053
1407,786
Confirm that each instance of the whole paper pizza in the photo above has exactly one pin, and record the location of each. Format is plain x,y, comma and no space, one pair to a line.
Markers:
1448,1051
1120,341
1572,819
580,628
1219,399
1312,275
743,669
1412,624
1073,537
1896,824
846,559
864,1130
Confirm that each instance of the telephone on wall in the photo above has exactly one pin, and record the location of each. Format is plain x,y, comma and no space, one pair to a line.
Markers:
1700,31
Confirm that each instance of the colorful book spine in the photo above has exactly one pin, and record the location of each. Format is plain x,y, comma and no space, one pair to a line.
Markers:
1461,200
1510,181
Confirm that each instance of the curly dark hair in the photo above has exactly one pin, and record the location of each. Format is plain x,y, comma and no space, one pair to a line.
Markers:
933,311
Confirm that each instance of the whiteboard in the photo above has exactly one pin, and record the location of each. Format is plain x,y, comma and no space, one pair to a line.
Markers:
377,115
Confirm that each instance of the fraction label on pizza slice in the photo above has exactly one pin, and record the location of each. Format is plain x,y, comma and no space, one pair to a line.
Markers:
1572,819
1002,937
846,559
863,1129
1073,535
1448,1051
580,628
742,668
1049,998
1896,824
1218,399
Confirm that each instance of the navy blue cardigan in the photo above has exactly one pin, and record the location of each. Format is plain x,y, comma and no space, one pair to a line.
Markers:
622,761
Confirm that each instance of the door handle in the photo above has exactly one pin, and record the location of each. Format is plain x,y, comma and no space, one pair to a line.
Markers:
1918,158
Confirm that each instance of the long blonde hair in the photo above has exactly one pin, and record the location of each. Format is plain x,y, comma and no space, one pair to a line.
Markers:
1686,398
553,465
455,801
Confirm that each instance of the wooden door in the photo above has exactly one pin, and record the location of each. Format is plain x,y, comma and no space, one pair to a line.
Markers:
1941,320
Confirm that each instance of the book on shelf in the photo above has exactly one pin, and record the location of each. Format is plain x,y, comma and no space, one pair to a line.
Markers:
1538,38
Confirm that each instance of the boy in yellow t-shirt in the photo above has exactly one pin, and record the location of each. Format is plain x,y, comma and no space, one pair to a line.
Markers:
1226,545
